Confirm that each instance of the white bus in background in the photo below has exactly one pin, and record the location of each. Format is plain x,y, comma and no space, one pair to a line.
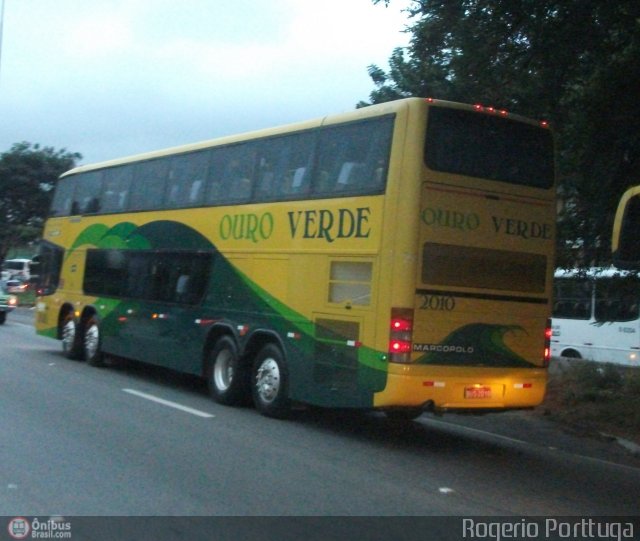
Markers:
16,268
596,316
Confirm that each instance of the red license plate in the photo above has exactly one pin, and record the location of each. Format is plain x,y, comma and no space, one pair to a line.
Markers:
477,392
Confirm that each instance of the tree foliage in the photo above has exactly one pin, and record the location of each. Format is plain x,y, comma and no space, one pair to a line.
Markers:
28,175
573,62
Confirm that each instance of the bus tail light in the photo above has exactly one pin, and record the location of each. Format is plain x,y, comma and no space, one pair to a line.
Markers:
401,335
547,343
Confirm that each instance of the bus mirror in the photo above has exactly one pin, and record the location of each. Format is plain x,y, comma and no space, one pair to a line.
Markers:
625,243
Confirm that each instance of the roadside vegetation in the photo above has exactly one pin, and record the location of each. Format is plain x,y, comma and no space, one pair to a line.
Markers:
595,398
575,63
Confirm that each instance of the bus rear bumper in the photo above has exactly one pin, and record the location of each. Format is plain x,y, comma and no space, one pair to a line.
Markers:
494,390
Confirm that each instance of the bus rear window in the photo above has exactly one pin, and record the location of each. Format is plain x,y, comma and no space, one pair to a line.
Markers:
489,147
466,266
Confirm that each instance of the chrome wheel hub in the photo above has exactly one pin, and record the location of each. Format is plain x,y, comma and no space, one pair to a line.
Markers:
268,380
68,335
223,370
91,341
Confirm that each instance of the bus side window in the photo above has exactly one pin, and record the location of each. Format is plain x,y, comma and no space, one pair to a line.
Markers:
195,192
186,177
581,311
353,158
63,197
237,177
92,205
217,164
138,269
629,311
240,189
349,176
182,287
283,164
296,181
561,309
117,184
323,183
148,186
88,193
266,182
296,169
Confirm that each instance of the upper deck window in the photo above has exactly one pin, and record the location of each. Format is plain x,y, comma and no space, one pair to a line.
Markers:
489,147
339,160
63,197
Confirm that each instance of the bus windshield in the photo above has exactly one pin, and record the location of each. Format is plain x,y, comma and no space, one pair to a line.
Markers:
489,147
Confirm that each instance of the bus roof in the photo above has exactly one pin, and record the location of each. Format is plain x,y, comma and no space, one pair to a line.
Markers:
354,115
362,113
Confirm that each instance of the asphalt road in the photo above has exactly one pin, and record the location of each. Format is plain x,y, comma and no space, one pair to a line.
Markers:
130,440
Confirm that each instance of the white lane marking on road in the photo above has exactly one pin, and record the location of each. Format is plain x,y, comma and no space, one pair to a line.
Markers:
446,490
499,436
478,431
169,403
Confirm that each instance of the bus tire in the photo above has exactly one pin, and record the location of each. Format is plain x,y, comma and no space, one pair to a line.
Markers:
270,383
91,343
3,317
226,376
69,338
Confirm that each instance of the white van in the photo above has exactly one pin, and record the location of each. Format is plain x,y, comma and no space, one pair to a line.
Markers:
16,268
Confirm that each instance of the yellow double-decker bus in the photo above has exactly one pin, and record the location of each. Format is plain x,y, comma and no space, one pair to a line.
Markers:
397,257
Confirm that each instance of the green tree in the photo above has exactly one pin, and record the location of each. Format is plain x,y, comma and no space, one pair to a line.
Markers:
28,175
574,62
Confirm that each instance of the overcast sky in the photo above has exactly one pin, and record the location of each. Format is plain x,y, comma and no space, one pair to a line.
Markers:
110,78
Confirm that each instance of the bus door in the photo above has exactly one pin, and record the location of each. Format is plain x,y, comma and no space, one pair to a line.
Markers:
336,352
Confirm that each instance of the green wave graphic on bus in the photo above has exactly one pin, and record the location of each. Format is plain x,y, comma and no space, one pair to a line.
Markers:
477,344
122,235
232,293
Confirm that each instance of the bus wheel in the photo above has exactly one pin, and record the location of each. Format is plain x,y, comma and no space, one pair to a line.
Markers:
404,414
3,317
225,375
91,342
270,385
69,345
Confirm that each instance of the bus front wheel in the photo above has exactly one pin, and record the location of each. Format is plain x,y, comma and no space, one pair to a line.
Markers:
270,383
226,378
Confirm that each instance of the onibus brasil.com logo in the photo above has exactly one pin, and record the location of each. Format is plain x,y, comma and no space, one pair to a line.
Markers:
52,528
